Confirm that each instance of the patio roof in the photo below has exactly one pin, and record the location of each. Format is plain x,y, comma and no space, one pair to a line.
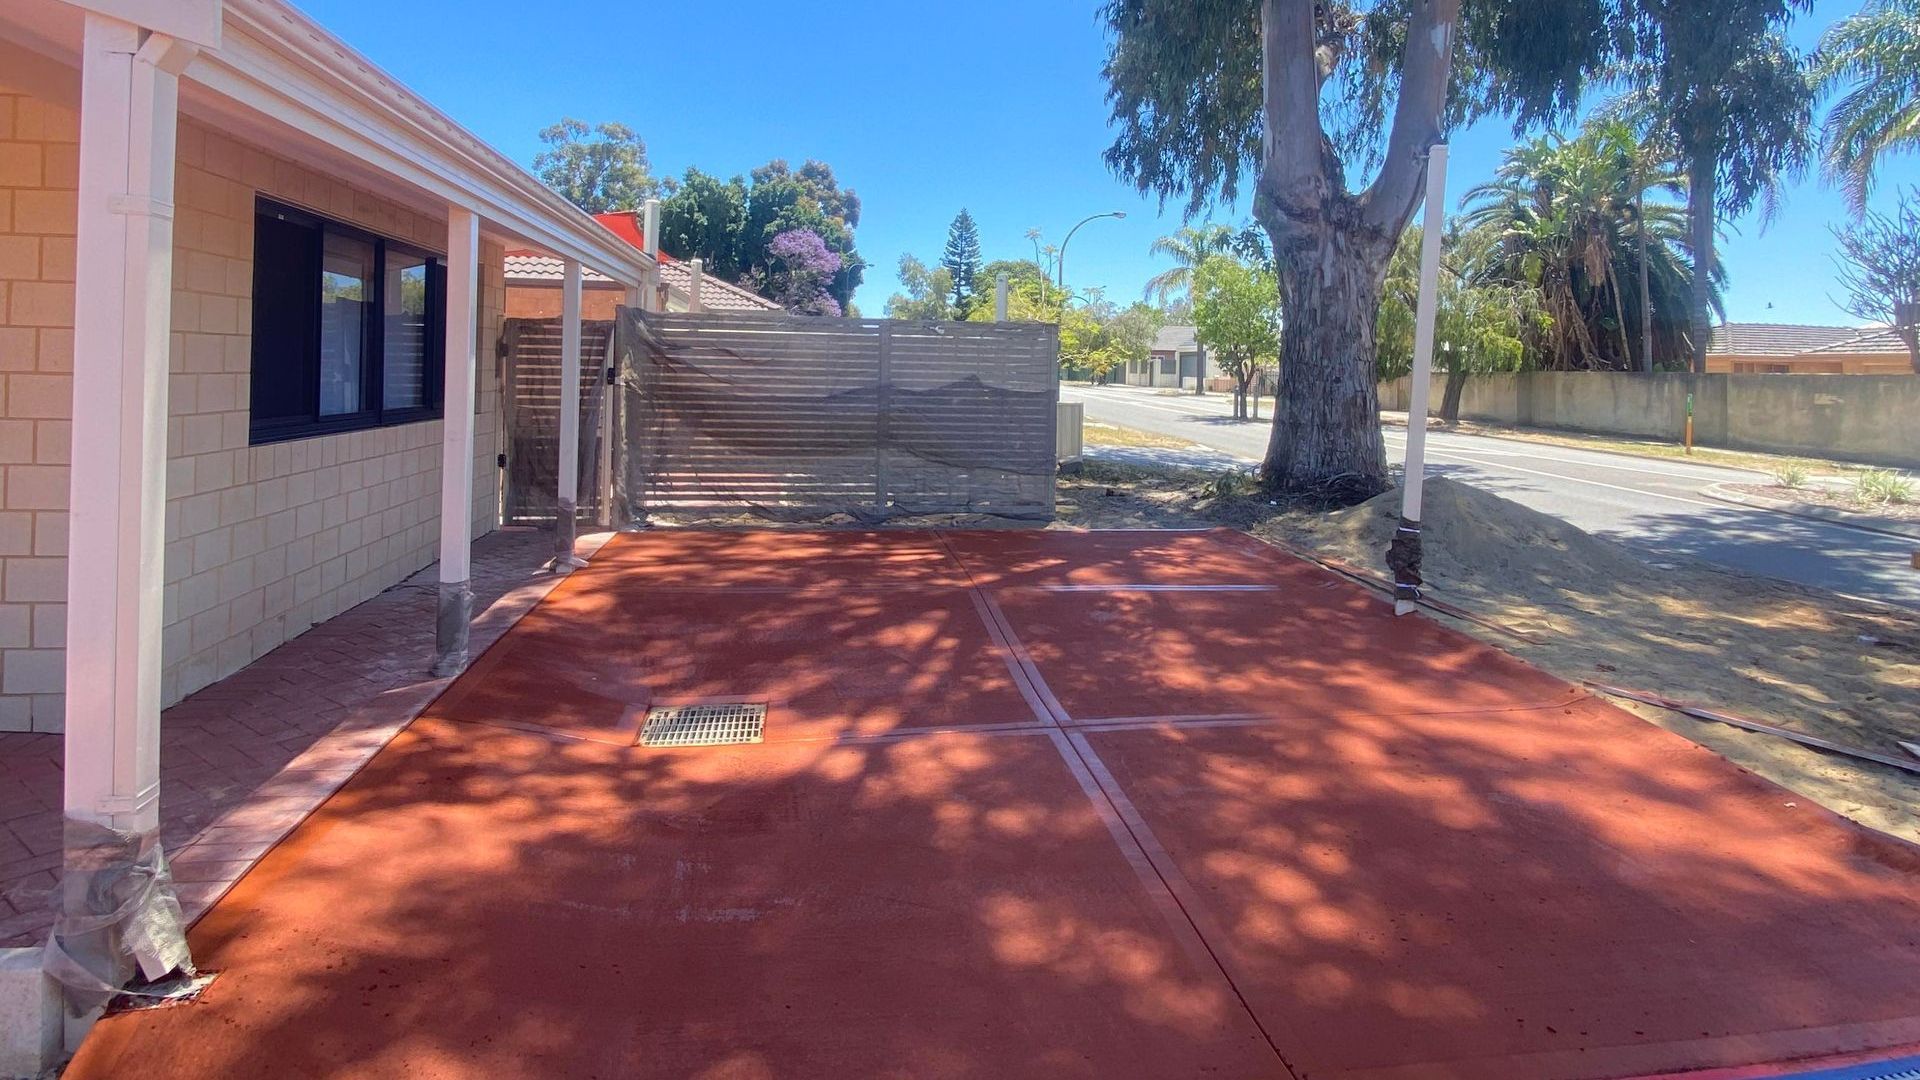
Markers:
276,77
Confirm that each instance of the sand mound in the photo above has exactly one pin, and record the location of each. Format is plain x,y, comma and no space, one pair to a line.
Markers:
1472,537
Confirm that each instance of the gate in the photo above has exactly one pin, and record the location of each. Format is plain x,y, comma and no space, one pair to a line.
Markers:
531,407
806,418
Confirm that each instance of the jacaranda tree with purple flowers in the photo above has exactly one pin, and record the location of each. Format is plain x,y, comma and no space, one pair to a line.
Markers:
800,273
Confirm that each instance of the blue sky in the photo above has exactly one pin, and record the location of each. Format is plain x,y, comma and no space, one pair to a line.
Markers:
998,107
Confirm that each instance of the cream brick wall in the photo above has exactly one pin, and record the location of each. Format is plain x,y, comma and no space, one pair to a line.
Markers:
261,541
39,158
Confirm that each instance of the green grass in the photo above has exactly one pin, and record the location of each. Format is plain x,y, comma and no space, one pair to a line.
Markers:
1094,433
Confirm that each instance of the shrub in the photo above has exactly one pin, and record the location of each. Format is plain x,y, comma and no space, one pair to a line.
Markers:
1881,487
1228,483
1792,474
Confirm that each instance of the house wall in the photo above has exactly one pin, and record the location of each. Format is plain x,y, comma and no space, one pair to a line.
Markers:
542,301
261,541
1812,363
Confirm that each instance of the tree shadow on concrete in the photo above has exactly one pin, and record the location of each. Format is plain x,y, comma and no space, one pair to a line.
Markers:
1530,892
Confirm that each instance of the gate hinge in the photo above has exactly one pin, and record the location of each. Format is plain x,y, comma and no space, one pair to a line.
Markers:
500,460
610,378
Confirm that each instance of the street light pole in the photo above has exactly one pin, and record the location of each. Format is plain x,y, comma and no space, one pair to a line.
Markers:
1061,265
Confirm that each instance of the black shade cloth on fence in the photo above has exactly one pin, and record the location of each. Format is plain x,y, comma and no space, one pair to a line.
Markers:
797,418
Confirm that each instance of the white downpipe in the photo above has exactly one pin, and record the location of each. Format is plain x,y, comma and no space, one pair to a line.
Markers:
1430,242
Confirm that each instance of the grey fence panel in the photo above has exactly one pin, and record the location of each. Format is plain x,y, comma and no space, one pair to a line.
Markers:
803,418
532,415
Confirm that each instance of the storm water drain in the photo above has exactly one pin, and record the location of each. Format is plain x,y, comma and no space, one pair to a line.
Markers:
703,725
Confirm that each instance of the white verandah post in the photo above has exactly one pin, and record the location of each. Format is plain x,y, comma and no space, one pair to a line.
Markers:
123,285
567,502
456,443
1413,484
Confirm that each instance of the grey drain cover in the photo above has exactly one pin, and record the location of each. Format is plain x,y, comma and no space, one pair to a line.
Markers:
703,725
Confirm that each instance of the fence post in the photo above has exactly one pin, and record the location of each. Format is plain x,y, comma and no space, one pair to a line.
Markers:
696,274
881,429
1000,297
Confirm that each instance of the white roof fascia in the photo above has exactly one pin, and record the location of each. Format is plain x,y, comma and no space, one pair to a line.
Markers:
278,62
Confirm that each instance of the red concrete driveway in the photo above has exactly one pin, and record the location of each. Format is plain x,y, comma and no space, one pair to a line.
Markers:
1103,805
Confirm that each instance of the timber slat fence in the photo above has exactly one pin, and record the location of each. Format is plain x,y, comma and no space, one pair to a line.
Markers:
805,418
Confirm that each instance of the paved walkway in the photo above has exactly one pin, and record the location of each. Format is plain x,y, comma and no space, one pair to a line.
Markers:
256,742
1102,805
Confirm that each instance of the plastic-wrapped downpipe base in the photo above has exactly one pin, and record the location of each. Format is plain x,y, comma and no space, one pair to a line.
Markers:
118,916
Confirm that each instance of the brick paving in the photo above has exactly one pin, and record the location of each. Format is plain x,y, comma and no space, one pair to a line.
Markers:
245,759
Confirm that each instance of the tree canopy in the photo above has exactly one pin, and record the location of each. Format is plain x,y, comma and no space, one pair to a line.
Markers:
1880,270
731,224
1312,97
926,293
961,260
1720,84
598,169
1563,218
1872,61
799,274
1236,315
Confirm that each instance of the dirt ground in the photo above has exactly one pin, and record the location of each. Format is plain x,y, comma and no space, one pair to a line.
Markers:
1789,655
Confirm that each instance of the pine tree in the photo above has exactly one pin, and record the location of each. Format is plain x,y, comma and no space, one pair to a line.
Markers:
962,260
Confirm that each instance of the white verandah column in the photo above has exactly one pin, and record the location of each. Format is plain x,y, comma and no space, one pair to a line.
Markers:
567,504
456,443
123,285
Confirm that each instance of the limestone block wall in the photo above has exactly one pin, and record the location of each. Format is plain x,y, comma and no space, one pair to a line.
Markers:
261,541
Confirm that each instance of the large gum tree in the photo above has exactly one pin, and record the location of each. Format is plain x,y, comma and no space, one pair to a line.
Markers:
1331,106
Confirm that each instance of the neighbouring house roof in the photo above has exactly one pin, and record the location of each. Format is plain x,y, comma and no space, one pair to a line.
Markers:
1775,339
1176,339
533,268
1872,339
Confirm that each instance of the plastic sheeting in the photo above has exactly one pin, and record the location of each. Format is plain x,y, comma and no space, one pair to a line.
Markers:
805,419
118,916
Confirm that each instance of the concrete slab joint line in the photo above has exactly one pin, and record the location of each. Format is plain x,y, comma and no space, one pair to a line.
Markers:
1204,891
1123,822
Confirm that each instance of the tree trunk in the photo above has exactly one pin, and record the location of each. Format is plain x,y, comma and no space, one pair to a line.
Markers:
1326,422
1450,399
1701,185
1620,317
1646,290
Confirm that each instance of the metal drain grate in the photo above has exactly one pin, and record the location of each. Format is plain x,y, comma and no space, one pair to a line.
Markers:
703,725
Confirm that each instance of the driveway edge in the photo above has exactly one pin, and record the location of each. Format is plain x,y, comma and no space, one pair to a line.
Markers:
1724,493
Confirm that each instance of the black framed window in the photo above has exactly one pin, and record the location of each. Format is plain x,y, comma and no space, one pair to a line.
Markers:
347,327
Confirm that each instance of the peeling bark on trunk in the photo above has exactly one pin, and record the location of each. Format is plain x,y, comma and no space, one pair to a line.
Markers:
1331,247
1326,429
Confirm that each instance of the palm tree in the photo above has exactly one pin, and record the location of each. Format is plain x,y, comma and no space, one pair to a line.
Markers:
1874,57
1571,218
1189,247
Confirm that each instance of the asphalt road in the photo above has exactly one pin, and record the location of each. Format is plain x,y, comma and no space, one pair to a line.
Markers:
1651,505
